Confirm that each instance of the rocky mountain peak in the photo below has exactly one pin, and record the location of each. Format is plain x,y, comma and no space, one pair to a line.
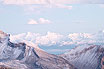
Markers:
2,34
22,56
4,37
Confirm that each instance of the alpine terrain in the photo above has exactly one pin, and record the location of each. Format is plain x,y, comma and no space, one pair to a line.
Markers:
86,57
28,56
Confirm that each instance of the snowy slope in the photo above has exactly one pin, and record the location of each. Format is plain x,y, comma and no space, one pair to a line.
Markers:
86,57
28,56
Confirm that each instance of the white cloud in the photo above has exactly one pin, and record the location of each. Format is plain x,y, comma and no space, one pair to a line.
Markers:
63,6
44,21
49,39
39,21
60,40
33,5
31,9
22,2
24,36
55,5
31,21
41,4
80,36
53,1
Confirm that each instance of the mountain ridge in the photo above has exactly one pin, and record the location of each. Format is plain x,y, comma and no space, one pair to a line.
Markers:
23,56
86,57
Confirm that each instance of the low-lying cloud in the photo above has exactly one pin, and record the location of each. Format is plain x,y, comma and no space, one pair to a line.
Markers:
55,38
59,42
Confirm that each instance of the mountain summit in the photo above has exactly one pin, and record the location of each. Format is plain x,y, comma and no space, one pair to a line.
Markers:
23,56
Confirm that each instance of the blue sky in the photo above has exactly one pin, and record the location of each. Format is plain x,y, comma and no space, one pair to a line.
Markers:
78,18
52,16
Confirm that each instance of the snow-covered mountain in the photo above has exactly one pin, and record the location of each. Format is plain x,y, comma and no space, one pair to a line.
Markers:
86,57
28,56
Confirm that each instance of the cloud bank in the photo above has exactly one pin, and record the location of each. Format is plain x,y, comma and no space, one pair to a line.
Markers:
55,42
55,38
53,1
34,4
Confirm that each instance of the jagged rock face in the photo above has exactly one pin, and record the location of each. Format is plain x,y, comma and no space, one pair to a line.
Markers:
22,56
86,57
102,63
3,67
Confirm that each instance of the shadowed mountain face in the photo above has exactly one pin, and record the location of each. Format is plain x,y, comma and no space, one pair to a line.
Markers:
86,57
3,67
23,56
